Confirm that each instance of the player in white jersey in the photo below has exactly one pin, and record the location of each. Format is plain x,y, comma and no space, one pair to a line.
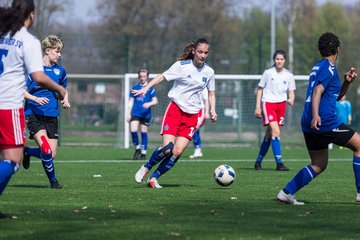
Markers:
276,87
190,75
20,55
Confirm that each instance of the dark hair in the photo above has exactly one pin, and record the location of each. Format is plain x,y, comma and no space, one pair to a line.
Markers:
187,54
279,52
328,44
12,18
143,70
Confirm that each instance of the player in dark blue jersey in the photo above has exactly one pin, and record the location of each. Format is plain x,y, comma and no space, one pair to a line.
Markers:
320,124
42,110
139,114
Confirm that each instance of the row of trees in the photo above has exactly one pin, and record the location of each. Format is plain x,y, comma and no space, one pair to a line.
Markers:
131,34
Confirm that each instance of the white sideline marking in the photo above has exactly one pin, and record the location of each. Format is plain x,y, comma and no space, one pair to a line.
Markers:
191,161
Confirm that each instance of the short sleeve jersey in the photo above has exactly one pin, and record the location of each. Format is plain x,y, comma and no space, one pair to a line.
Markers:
189,82
138,110
276,85
51,109
20,55
325,73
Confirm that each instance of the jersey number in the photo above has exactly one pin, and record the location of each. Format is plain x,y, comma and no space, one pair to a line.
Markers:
3,52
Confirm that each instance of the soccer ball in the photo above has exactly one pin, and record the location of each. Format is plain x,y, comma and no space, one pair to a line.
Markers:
224,175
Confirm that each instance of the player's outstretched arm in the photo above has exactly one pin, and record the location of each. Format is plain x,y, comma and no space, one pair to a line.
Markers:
40,100
45,82
156,80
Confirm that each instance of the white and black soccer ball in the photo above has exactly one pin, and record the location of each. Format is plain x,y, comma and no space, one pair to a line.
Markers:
224,175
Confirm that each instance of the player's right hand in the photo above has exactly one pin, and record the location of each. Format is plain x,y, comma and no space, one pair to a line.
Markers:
258,112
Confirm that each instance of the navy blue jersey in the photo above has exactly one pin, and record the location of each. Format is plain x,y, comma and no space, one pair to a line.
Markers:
138,110
325,73
51,109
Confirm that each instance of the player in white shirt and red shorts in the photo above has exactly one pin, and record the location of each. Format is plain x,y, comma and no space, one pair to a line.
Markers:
190,75
276,88
20,55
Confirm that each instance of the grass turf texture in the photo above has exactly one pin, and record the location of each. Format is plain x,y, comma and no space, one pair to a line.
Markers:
190,206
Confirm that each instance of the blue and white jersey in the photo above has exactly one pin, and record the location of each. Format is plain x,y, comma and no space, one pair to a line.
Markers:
189,83
51,109
138,110
325,73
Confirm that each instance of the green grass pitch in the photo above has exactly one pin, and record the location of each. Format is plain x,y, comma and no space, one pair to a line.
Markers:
100,199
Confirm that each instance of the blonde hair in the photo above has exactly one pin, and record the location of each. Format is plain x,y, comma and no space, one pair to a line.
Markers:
53,42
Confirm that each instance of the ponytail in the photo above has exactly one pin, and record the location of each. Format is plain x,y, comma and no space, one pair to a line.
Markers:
187,53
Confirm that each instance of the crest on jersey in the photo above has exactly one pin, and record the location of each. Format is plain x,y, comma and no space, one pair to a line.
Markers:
57,71
204,79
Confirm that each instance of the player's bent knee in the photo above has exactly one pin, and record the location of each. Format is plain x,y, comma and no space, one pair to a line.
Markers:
168,148
45,146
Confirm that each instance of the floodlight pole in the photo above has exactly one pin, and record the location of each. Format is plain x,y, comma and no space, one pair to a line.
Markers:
273,33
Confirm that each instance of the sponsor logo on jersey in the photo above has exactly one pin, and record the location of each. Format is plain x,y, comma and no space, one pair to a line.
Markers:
189,76
56,71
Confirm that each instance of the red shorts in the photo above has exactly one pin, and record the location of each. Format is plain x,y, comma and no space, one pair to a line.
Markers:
273,112
12,128
178,123
201,118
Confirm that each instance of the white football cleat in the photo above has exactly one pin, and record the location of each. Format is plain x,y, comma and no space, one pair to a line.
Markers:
197,154
153,183
288,198
358,198
141,174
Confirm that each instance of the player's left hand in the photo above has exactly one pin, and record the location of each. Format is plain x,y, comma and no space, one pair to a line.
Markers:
65,102
213,116
350,75
139,92
290,101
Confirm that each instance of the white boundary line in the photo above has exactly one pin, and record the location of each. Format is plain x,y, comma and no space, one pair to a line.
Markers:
191,161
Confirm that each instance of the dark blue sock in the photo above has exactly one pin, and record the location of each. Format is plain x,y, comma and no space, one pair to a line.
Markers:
264,147
7,169
144,140
196,139
356,167
135,138
275,144
165,166
302,178
48,164
155,158
34,152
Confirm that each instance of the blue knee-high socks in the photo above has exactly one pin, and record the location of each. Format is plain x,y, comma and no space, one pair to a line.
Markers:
302,178
356,168
165,166
7,169
48,165
264,147
197,139
275,144
144,141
